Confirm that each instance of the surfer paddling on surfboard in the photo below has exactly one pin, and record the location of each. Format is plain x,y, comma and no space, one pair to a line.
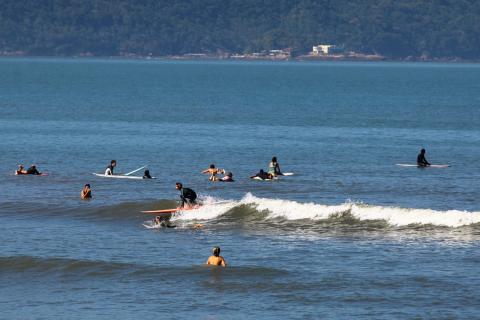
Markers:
20,170
187,195
421,160
263,175
109,170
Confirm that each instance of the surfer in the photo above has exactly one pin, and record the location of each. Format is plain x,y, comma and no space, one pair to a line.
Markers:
263,175
187,195
421,160
86,192
146,175
216,259
213,172
109,170
20,170
162,222
274,167
33,170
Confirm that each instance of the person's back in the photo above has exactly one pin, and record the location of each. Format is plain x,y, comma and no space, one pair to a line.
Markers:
421,160
32,170
216,259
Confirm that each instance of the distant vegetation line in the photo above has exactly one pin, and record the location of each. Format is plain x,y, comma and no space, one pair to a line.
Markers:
392,28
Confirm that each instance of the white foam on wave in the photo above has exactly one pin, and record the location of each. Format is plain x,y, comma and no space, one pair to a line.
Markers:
211,209
292,210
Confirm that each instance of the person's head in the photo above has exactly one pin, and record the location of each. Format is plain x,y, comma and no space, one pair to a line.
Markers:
178,186
230,175
33,166
261,171
147,172
157,219
87,186
274,159
216,251
422,151
113,163
20,166
212,166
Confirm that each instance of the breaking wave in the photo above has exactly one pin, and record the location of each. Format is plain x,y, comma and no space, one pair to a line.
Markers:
292,210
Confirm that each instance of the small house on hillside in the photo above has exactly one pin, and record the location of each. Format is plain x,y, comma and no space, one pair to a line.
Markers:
326,49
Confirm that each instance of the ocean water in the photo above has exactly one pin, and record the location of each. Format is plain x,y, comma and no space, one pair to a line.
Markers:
349,235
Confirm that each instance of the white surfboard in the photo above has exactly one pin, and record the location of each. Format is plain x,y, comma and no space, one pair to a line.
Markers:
417,166
288,173
119,176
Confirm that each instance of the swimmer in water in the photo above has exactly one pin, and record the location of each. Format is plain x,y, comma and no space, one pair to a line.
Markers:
86,192
216,259
33,170
227,176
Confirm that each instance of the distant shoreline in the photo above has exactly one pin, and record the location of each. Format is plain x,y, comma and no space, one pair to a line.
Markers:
231,57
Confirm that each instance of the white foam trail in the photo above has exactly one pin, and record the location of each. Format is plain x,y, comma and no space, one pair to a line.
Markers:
292,210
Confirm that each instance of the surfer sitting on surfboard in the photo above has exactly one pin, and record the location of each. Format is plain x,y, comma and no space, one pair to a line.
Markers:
213,172
421,160
263,175
146,175
274,167
187,195
216,259
109,170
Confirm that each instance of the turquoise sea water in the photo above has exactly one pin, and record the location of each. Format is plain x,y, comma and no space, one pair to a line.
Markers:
350,235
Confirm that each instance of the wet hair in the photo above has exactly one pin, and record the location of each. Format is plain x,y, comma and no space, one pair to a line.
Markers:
216,251
87,185
178,184
261,171
422,151
212,166
146,172
274,159
230,174
113,161
20,165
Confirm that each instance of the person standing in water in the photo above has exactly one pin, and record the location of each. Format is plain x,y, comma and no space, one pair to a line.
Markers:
274,167
216,259
187,195
421,160
213,172
86,192
109,170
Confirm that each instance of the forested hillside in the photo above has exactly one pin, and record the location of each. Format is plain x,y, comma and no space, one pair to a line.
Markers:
396,29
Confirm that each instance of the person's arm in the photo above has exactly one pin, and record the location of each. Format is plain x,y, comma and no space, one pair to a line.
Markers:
205,171
224,263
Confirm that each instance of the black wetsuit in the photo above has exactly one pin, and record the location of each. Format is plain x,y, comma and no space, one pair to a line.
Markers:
421,161
188,196
33,170
111,169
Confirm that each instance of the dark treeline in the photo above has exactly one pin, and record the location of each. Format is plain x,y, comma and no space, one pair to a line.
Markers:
393,28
